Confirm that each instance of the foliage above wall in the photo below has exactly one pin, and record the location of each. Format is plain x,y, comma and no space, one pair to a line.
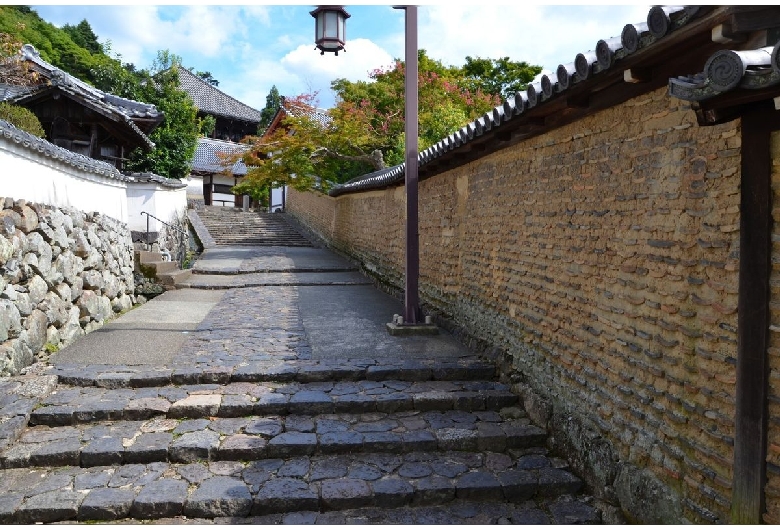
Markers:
21,118
366,128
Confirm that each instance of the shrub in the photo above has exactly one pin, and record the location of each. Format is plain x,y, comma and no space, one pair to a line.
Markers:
22,118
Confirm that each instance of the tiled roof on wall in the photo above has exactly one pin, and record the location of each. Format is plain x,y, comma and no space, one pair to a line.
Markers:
727,70
157,179
585,70
208,161
60,154
211,100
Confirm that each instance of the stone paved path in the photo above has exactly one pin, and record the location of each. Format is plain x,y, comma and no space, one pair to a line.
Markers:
284,404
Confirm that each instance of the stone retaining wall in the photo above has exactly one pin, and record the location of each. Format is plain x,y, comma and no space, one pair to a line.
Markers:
64,273
602,257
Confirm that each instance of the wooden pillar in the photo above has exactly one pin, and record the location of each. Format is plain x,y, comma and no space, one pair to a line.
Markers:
755,248
93,142
207,190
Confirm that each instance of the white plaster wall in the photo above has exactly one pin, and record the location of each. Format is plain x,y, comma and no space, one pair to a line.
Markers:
276,198
194,186
163,203
218,197
29,175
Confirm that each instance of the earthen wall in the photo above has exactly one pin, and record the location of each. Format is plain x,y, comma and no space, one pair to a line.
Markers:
603,258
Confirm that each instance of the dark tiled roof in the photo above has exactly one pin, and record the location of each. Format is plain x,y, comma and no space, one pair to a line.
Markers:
320,116
157,179
211,100
727,70
586,67
45,148
207,158
109,105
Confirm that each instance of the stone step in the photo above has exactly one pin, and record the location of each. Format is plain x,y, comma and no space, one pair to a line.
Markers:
562,510
269,242
160,267
113,376
174,277
261,279
216,271
78,405
145,256
240,489
261,437
230,227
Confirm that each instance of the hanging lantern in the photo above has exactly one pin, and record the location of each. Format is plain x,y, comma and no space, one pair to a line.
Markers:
330,24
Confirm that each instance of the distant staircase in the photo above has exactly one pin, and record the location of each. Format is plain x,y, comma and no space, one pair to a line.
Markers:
232,226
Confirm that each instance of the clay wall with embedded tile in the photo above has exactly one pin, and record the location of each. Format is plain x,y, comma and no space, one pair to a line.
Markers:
603,258
772,489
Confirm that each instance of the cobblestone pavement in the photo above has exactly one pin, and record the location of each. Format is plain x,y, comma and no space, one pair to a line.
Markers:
286,404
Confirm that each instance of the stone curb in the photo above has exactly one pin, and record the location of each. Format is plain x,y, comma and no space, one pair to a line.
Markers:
113,376
190,441
273,486
259,279
289,270
200,230
90,404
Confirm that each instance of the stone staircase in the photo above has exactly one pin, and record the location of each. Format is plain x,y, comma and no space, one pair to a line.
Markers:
296,442
152,265
232,226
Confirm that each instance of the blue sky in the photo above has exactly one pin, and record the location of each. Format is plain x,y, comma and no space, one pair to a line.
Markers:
249,48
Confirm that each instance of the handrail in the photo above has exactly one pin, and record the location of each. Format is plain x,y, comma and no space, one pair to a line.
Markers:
148,215
182,240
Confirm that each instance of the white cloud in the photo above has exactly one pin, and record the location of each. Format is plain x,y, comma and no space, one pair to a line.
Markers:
538,34
317,71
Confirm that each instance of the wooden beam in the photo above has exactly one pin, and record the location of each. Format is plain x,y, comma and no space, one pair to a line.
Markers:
637,75
748,21
755,250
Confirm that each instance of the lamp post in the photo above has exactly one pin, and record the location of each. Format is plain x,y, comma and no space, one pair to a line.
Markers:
330,26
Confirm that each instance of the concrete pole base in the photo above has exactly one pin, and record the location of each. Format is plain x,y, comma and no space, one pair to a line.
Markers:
399,329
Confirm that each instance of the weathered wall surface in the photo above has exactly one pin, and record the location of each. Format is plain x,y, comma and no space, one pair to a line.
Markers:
603,258
773,439
64,273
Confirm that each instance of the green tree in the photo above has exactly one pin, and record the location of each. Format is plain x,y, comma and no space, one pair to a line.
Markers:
374,110
83,35
21,118
176,138
500,77
273,102
207,77
366,128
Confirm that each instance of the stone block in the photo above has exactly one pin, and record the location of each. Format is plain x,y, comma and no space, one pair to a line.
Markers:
194,446
478,486
162,498
242,447
106,504
50,507
345,494
219,497
196,406
148,447
290,444
285,495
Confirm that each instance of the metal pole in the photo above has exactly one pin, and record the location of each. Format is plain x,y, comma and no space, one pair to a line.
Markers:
412,313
